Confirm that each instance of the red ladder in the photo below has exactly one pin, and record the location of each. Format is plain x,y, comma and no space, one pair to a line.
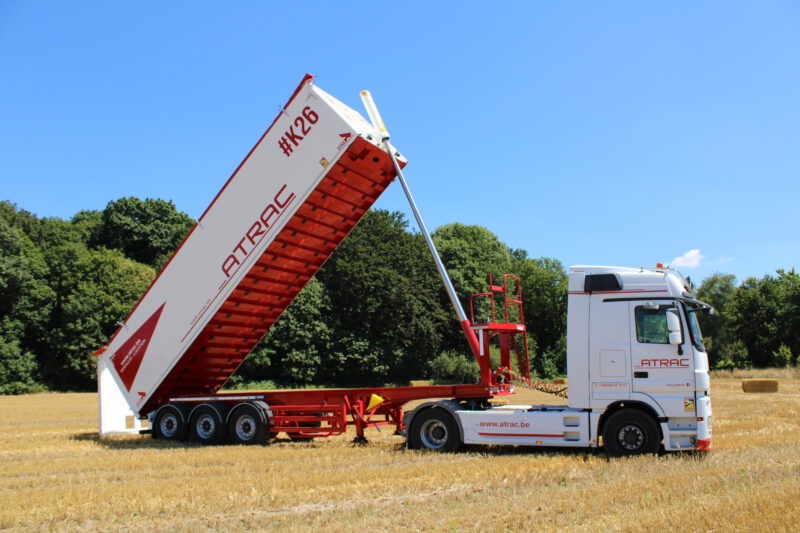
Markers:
506,331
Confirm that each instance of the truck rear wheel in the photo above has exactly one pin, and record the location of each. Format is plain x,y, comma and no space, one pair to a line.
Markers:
207,425
434,429
248,424
170,423
630,432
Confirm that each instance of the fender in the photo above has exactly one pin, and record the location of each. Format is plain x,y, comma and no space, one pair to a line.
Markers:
450,406
261,406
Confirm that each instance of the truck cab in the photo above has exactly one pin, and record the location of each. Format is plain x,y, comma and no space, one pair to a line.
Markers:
637,373
634,342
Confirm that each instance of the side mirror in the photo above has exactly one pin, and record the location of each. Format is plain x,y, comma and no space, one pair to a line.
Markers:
674,327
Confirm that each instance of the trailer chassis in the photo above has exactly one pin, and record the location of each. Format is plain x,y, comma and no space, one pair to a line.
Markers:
301,414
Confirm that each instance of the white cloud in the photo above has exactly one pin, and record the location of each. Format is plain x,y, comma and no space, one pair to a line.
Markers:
690,259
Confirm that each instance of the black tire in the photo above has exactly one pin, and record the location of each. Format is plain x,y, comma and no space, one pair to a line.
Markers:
170,422
248,424
434,429
207,425
631,432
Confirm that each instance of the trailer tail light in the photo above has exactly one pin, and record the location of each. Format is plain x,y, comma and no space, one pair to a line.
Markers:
699,418
703,444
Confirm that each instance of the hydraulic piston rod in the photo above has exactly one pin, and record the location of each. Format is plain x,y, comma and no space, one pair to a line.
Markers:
378,124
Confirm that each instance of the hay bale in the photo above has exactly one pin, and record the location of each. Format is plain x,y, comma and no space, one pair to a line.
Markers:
420,383
760,385
560,381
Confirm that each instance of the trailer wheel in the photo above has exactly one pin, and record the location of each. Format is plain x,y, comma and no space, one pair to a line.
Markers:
248,424
207,425
434,429
630,432
170,423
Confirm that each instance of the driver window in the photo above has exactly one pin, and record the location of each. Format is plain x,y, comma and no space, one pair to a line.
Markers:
651,326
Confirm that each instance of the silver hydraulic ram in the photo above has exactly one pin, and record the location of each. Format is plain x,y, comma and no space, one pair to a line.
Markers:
377,123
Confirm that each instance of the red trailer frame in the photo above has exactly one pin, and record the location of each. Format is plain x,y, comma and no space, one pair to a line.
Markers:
310,413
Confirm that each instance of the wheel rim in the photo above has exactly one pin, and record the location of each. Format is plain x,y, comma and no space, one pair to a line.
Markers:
433,434
245,427
169,425
631,437
206,426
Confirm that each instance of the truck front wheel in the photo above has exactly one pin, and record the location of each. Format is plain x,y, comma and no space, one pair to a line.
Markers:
434,429
630,432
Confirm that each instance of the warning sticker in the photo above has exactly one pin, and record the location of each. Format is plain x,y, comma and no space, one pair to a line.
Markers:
688,405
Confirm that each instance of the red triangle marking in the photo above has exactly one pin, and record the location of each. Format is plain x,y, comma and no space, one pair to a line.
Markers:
129,357
345,135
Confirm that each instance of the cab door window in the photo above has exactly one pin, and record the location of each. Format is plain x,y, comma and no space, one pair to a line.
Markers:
651,325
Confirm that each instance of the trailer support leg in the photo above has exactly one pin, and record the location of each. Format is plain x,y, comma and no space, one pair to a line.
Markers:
356,409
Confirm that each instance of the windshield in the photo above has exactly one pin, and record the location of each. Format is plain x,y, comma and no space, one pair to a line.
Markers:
694,329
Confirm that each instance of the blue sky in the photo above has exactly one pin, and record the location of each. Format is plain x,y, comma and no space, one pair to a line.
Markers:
621,133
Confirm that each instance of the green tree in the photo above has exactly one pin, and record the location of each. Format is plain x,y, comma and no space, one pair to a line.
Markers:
291,353
95,290
22,220
454,367
789,314
544,293
782,356
718,290
147,231
764,316
384,292
17,366
25,301
733,355
470,254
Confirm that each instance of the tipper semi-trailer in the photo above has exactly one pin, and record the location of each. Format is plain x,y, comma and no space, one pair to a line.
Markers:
637,367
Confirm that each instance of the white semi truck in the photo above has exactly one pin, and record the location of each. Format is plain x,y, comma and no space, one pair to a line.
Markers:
637,372
637,368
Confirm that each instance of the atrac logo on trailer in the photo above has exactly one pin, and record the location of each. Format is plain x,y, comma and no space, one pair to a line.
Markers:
663,363
271,214
291,138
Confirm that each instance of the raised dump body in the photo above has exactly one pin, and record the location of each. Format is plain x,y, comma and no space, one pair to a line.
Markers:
298,193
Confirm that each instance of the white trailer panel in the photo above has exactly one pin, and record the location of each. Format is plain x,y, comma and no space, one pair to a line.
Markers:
288,179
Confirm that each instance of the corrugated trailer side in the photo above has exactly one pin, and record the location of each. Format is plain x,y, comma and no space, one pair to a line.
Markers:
303,187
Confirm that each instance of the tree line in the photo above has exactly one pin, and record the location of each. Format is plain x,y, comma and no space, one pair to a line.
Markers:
376,313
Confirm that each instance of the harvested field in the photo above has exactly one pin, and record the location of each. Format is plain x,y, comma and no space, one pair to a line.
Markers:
56,475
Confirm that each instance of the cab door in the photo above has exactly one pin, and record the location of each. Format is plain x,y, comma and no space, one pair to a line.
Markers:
662,370
609,351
